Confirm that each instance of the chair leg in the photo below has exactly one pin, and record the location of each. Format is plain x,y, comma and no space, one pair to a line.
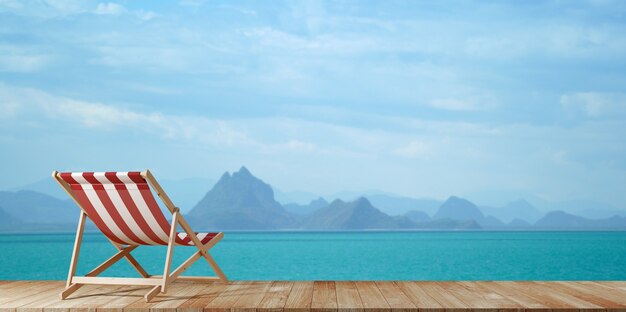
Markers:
152,293
133,262
69,290
215,267
170,251
69,287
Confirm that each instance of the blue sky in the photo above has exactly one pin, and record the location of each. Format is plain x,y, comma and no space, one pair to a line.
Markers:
419,98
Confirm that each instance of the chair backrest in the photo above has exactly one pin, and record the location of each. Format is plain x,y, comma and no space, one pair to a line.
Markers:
120,204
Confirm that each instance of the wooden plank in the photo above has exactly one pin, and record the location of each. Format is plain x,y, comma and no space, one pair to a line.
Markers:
84,299
604,298
556,291
32,291
6,285
116,281
472,300
17,290
609,291
443,296
552,295
227,297
276,297
177,294
348,298
550,299
514,295
252,297
324,297
481,298
170,302
202,299
419,297
300,297
373,300
396,298
124,297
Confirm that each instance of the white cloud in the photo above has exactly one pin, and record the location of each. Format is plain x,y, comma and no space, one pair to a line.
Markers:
414,149
21,60
595,104
146,15
194,3
291,146
22,63
453,104
32,104
468,100
110,8
8,109
44,8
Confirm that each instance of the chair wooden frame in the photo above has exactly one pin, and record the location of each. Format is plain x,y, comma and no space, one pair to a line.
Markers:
159,282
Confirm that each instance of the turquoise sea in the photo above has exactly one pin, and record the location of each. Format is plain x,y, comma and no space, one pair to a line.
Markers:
347,256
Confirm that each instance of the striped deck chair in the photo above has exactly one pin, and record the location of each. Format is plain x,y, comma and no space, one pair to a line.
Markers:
122,206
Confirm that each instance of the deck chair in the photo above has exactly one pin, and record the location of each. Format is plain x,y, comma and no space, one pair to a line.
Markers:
122,207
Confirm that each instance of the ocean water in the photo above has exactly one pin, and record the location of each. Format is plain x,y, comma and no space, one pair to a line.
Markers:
346,256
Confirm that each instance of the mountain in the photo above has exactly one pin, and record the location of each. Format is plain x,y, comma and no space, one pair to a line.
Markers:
5,218
46,186
449,224
35,207
417,216
239,202
355,215
457,208
295,197
306,209
186,192
349,196
588,208
519,209
491,222
398,205
562,220
518,224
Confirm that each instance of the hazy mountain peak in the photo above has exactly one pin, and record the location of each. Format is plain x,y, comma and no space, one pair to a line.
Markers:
457,208
240,201
225,177
320,201
357,214
337,202
362,201
243,171
559,219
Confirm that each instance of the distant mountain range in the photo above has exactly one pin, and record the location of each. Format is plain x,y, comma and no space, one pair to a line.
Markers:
306,209
241,201
355,215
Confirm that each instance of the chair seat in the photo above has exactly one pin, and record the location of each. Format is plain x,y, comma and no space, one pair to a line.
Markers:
183,239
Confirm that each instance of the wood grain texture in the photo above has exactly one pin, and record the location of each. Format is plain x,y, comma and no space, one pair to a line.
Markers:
419,297
321,296
395,297
373,300
276,297
348,298
203,298
324,297
300,297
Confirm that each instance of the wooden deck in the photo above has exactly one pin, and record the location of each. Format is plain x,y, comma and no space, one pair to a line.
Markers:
321,296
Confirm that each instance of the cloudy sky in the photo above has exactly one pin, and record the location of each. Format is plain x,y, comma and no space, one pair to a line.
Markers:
419,98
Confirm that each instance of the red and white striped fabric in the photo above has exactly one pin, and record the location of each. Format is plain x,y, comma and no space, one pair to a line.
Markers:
123,208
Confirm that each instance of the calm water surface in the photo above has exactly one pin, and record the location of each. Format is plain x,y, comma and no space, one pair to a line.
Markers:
347,256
